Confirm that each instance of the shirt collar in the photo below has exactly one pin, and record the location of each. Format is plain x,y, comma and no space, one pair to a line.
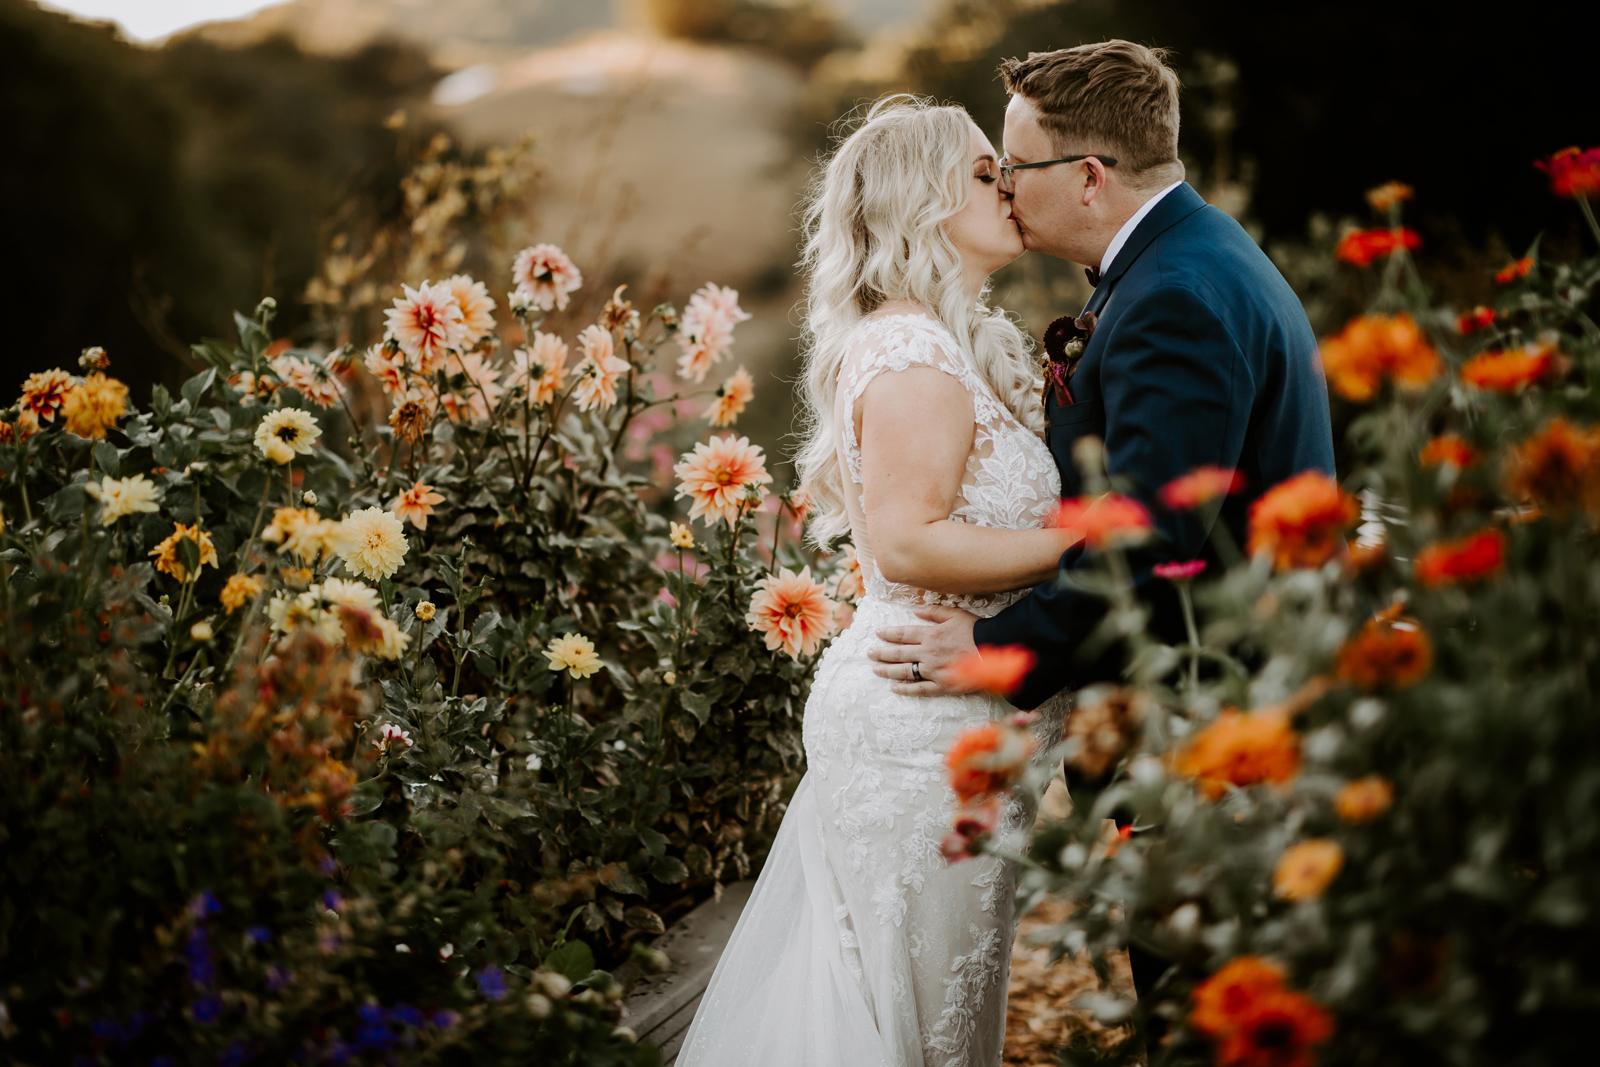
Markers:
1132,224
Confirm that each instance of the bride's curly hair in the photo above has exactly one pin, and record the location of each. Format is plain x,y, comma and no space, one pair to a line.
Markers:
876,233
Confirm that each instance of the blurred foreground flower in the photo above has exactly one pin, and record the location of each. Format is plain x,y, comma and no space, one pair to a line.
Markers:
1386,654
996,669
1509,371
792,612
971,830
1361,247
1471,558
1477,319
1557,468
1389,195
1573,173
1305,869
1514,270
1255,1019
987,760
302,532
239,590
1374,347
120,497
1200,486
1363,799
1105,521
1103,727
1301,522
1447,448
94,406
1241,749
715,475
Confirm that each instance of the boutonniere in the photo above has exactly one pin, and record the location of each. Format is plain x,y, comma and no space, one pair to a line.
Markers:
1064,342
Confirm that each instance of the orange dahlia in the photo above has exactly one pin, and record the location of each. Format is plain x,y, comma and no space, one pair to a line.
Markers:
416,504
792,612
1471,558
997,669
1557,468
1511,370
94,405
1363,799
987,759
1447,448
1386,654
1301,522
715,476
1374,347
43,394
1305,870
1361,247
1103,521
1221,1000
1241,749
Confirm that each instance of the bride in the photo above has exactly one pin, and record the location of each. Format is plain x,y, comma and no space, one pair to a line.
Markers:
861,945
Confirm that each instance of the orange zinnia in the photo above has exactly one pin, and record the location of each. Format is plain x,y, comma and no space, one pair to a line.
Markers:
1301,522
1573,173
1279,1029
1221,1000
1389,195
997,669
1363,799
1201,485
416,504
1557,468
1240,749
1470,558
1386,654
1517,268
1508,371
1361,247
1447,448
792,611
1305,870
1374,347
1103,521
987,759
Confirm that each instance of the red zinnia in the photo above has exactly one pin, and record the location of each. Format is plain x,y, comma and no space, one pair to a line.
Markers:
997,669
1361,247
987,759
1103,521
1469,558
1516,269
1573,173
1301,522
1506,372
1201,485
1476,319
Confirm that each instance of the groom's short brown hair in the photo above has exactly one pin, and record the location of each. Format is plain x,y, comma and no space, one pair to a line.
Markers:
1115,96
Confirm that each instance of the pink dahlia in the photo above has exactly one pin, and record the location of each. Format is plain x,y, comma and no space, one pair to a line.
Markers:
597,375
546,275
389,368
427,324
706,333
474,388
310,380
540,368
716,475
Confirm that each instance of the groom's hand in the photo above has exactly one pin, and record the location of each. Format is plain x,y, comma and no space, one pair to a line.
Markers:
932,648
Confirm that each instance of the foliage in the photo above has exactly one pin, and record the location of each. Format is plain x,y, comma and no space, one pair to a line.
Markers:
1392,857
449,699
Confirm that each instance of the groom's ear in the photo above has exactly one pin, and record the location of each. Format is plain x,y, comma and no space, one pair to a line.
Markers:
1095,176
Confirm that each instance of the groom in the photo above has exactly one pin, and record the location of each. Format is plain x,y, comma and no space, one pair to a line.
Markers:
1201,354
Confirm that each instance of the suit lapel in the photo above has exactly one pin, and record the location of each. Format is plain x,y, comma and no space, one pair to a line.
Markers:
1173,209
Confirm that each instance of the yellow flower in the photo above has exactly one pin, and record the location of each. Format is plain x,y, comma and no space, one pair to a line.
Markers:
372,543
285,433
302,532
392,642
573,653
166,553
239,591
89,408
201,631
1304,870
285,613
336,591
122,496
681,535
426,610
731,399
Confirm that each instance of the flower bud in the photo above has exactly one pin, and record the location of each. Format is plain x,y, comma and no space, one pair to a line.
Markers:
539,1006
94,359
551,983
671,678
308,498
201,631
626,1033
426,610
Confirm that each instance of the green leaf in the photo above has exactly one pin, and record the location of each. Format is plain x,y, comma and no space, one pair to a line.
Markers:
196,387
642,918
655,842
669,869
572,959
107,458
696,704
618,879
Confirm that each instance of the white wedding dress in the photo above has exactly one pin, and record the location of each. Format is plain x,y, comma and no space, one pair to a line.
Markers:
860,945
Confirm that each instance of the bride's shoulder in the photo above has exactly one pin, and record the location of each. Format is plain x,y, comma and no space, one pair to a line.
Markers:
906,334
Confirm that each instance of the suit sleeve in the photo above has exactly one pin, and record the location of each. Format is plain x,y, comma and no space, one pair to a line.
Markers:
1177,395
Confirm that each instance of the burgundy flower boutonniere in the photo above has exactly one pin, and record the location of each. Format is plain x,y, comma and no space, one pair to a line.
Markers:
1064,342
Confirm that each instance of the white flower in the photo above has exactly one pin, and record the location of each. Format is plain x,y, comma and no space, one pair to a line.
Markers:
535,763
372,543
285,433
391,736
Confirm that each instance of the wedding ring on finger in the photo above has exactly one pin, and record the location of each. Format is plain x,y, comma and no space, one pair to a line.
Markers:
916,671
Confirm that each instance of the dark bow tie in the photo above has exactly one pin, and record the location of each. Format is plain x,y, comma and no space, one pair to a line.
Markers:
1093,276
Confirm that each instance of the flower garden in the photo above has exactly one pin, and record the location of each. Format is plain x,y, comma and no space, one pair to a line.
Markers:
380,703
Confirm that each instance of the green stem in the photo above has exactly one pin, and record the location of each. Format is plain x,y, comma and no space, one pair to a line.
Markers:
1588,215
1187,601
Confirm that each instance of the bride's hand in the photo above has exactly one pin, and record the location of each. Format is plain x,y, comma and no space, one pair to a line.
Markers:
931,648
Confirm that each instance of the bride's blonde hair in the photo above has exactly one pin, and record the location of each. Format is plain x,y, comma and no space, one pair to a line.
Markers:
875,228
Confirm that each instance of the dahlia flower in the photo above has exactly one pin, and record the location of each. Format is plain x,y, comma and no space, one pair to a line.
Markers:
310,380
715,475
427,324
389,367
681,535
302,532
239,591
540,368
416,504
43,393
120,497
371,542
477,307
792,612
573,653
474,388
391,735
94,405
1201,485
731,399
545,276
598,373
706,332
285,433
166,553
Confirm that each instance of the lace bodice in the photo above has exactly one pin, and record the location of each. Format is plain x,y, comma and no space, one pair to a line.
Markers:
1011,481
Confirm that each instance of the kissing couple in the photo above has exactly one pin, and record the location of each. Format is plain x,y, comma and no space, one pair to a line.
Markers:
934,439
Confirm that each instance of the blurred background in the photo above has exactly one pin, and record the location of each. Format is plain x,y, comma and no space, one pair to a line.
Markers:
153,186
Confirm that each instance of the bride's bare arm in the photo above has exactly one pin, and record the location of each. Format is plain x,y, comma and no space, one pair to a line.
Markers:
916,430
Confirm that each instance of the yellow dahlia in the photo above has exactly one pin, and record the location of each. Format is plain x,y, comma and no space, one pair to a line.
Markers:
682,536
302,532
239,591
573,653
286,433
120,497
372,543
166,553
94,405
715,475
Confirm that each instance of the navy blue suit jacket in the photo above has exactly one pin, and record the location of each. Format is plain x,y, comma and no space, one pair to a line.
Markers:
1202,355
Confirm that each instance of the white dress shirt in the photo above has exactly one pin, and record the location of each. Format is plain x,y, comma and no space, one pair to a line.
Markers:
1132,224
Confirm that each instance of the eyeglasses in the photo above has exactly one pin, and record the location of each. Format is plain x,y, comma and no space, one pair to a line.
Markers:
1008,182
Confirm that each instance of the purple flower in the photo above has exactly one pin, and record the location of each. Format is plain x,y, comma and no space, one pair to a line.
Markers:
259,934
332,900
206,1010
406,1015
326,865
444,1020
202,973
277,977
491,982
205,905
